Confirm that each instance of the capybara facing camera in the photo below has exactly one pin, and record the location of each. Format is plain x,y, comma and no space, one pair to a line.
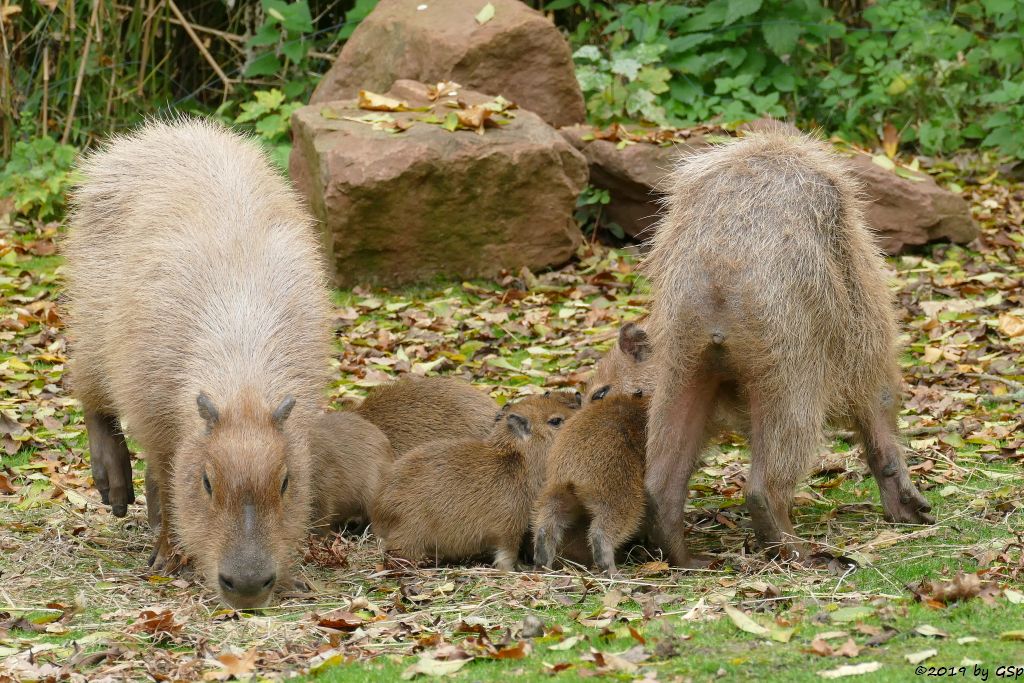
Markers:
198,314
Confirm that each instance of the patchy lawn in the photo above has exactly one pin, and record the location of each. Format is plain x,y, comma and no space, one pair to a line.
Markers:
76,596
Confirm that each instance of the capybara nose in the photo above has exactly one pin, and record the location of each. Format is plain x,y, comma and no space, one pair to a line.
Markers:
246,584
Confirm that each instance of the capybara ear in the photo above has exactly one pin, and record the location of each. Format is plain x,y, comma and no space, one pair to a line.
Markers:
283,411
519,425
633,341
207,410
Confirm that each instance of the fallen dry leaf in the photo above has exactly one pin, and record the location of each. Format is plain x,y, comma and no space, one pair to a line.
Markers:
851,670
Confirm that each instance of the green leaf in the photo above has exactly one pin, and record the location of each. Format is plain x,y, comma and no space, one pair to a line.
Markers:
451,122
781,37
293,17
268,34
267,64
737,9
295,50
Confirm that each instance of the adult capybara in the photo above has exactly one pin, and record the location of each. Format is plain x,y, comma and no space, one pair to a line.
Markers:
595,480
199,320
768,295
350,458
456,499
416,410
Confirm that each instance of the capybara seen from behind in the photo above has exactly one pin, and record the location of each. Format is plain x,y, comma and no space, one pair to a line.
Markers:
595,479
199,317
415,410
350,458
457,499
768,293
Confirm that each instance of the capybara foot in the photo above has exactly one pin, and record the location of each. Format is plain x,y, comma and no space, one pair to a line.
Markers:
165,559
907,506
110,461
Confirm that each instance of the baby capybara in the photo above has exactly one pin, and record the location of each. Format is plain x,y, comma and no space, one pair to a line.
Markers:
199,319
415,410
350,458
595,479
457,499
768,294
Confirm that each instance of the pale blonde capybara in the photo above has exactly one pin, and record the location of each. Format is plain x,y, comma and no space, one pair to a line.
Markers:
769,299
457,499
350,458
199,318
416,410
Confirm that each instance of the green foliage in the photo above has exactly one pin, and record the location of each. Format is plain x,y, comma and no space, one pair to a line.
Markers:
281,45
268,116
942,74
590,209
37,176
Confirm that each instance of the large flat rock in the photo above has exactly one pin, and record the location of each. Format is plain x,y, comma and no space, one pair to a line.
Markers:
405,207
518,54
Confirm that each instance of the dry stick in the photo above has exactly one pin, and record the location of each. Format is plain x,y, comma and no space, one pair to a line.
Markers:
81,74
1017,396
46,86
147,33
202,48
1013,384
230,37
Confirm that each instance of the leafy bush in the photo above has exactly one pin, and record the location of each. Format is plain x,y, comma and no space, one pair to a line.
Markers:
37,176
269,117
940,74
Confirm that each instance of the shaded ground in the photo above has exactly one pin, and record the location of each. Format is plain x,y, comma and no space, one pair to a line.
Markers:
76,598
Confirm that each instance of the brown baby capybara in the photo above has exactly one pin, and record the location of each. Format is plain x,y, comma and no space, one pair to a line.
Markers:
415,410
769,298
457,499
595,480
199,319
350,458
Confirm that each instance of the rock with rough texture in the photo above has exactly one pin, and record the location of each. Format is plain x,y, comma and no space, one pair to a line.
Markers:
406,207
902,212
518,54
906,212
631,175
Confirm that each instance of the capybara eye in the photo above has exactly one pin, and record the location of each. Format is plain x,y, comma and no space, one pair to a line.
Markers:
639,393
555,421
601,393
206,485
284,485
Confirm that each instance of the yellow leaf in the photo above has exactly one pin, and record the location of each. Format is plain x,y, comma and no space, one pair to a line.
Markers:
745,623
1011,325
485,14
375,102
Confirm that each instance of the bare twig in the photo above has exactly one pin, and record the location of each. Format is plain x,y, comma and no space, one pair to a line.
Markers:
81,74
1017,396
199,43
1013,384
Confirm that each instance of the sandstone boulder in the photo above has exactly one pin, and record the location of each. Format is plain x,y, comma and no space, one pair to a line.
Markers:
904,212
517,53
908,212
631,175
407,206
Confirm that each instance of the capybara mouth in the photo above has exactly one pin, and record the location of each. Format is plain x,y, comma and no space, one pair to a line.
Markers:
235,601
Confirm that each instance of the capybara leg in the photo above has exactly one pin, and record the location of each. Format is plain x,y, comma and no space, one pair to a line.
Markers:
676,433
901,501
784,439
152,498
165,558
555,512
111,462
613,523
505,556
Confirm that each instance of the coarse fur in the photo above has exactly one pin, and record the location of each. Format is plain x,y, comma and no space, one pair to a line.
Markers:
769,302
199,319
416,410
350,458
595,479
457,499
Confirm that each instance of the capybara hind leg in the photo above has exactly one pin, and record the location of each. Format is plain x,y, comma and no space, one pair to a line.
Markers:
505,556
165,558
110,461
901,501
152,498
611,526
555,512
784,439
676,433
602,549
